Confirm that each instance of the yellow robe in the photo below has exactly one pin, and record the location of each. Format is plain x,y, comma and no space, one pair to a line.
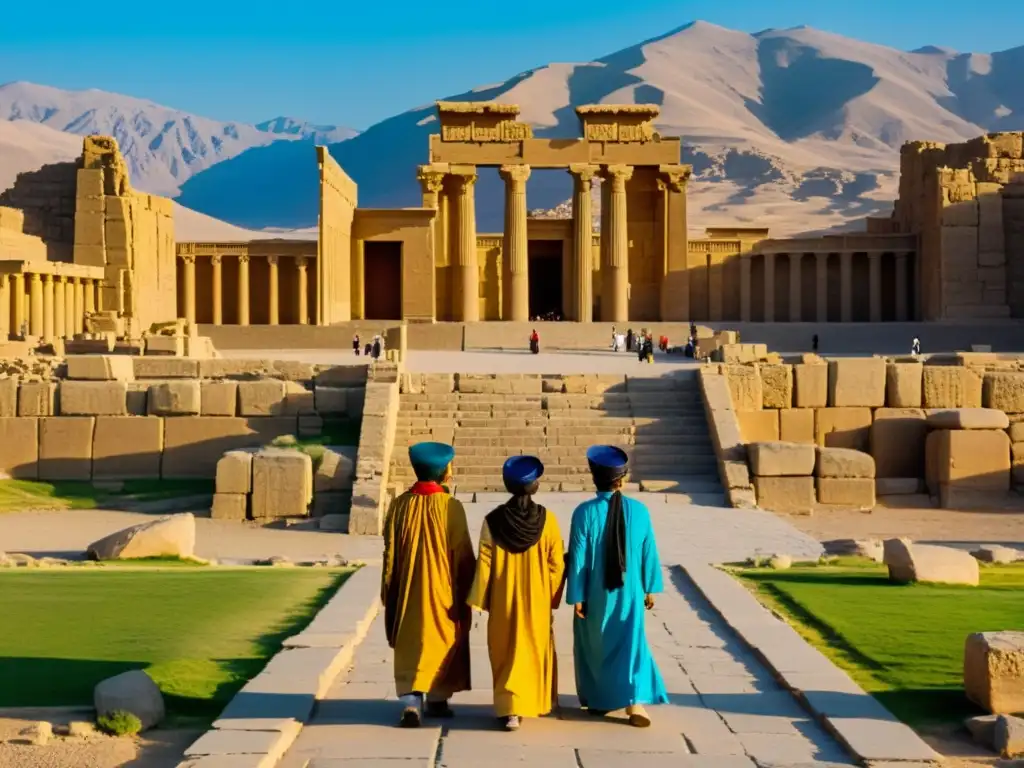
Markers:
427,574
519,592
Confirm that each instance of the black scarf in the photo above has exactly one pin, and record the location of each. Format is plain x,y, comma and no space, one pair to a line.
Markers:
615,530
517,524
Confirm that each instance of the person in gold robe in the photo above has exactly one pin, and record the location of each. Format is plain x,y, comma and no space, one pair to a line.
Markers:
427,575
518,581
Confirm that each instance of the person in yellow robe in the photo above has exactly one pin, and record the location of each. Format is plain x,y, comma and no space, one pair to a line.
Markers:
518,581
427,575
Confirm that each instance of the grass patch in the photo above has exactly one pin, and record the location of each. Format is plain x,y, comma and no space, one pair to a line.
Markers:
17,495
904,644
199,633
163,561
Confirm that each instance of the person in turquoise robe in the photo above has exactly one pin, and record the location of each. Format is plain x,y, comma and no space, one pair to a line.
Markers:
613,573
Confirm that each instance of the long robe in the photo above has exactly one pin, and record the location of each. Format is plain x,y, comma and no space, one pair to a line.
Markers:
614,665
519,592
427,574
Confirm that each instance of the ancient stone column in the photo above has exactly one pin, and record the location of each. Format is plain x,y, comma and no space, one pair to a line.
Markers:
80,305
821,287
59,306
47,307
465,272
274,289
846,286
616,279
243,289
875,269
795,288
901,288
189,275
98,287
90,296
745,288
431,179
217,288
35,304
303,291
5,307
769,287
583,239
514,251
69,307
18,302
359,280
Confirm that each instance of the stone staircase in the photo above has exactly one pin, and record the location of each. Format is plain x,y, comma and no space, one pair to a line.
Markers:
660,422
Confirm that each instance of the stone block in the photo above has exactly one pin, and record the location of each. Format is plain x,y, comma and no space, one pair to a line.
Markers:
785,494
37,398
93,398
336,469
976,459
903,385
759,426
844,463
810,385
796,425
229,506
856,382
8,397
298,399
911,562
175,398
126,447
342,376
735,474
282,483
261,398
331,400
898,442
101,367
967,418
744,387
897,486
234,472
777,459
137,398
843,428
19,448
1004,391
849,492
994,671
715,391
165,367
218,398
777,386
65,448
1016,432
194,444
310,426
166,346
951,386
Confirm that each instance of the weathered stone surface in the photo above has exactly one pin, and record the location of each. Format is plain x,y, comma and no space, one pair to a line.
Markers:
298,399
37,398
785,494
137,398
1016,432
994,670
133,692
8,397
229,506
759,426
160,367
810,385
849,492
777,386
38,734
330,521
967,418
951,386
175,398
777,459
903,385
744,387
978,459
843,428
796,425
19,448
1004,391
714,390
218,398
126,447
336,470
854,382
331,400
1008,736
282,483
101,367
261,398
93,398
194,444
234,472
342,376
909,562
173,535
897,486
869,548
898,442
65,447
996,553
844,462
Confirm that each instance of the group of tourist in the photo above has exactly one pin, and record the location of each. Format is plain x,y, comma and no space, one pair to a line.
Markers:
373,349
432,581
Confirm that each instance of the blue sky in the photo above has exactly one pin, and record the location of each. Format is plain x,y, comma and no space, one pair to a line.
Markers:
354,63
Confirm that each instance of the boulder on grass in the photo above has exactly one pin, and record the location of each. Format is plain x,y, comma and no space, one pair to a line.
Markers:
171,536
869,548
997,553
133,692
994,671
909,563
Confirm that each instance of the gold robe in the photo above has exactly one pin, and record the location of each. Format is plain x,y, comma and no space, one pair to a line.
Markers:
519,592
427,574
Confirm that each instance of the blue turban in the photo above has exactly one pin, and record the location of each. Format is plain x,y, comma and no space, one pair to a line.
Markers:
429,460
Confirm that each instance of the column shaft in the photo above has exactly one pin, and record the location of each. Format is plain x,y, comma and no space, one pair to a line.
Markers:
465,271
821,287
616,279
243,290
217,288
35,304
5,307
69,307
744,288
901,288
583,240
303,291
90,296
80,305
274,309
190,288
18,303
59,306
795,288
875,267
769,287
47,307
846,287
514,249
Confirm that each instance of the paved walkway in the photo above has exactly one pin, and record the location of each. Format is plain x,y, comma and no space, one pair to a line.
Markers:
725,709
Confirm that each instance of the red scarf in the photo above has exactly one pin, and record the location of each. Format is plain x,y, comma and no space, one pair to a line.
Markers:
426,488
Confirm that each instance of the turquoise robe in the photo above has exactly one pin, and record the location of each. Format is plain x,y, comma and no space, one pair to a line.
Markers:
614,665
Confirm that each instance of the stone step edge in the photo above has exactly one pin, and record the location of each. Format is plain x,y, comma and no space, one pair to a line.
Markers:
860,724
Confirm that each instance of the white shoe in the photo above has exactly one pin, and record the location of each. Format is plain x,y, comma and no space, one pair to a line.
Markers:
512,723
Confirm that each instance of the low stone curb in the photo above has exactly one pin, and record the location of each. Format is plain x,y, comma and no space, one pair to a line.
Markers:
263,719
868,731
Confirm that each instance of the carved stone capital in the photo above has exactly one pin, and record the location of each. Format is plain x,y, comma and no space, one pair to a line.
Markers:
514,174
618,175
584,171
431,178
464,176
243,258
216,259
301,262
189,258
674,177
273,260
58,279
46,278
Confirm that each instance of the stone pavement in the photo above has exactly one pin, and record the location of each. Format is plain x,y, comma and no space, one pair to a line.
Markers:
725,710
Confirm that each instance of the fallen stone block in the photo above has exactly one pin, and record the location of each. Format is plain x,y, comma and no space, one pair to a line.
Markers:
1009,736
777,386
282,483
777,459
909,562
229,506
856,382
844,462
994,670
1004,391
810,385
65,447
261,398
234,472
175,398
126,447
796,425
785,494
133,692
843,428
951,386
967,418
848,492
897,440
101,367
996,553
218,397
759,426
336,470
93,398
903,385
869,548
37,398
170,536
19,448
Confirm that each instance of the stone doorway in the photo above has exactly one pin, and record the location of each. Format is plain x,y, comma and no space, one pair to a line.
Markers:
545,268
382,280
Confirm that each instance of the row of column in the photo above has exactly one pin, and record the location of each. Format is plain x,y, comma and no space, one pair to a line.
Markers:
53,306
242,288
821,286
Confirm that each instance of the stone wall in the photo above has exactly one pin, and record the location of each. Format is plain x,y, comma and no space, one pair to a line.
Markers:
41,204
338,200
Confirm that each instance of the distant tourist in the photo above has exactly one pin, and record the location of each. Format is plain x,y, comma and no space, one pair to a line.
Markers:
355,344
615,339
535,342
693,331
663,343
375,349
915,347
814,343
368,348
649,347
629,340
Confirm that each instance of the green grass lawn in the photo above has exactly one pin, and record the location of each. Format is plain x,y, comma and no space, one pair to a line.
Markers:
902,643
201,633
16,495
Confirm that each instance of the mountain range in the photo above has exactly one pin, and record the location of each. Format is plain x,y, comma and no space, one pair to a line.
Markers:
795,129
